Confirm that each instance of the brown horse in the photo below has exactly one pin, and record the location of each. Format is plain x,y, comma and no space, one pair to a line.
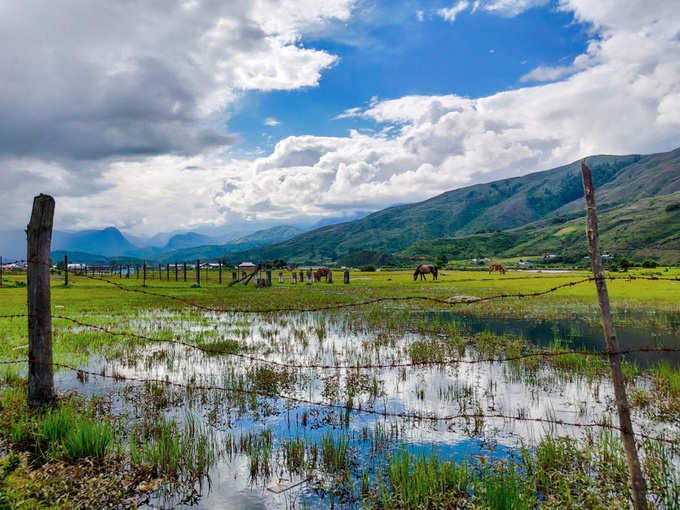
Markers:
424,269
322,272
496,267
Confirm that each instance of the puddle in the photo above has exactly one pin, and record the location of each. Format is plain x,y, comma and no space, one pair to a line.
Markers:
487,388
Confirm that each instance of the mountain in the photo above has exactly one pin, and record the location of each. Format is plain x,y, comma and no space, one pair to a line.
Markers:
340,219
12,244
107,242
188,240
532,203
214,251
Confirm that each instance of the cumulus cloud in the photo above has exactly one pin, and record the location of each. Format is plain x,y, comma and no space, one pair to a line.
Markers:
98,79
621,96
271,122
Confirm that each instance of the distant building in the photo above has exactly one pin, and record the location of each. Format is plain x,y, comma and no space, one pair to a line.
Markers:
247,266
525,264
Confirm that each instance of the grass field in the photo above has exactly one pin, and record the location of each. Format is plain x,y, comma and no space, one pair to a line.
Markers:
158,443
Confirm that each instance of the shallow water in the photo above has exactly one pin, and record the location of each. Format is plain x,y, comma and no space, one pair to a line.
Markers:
488,388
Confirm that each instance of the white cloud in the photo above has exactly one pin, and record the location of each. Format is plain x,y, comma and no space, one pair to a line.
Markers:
622,96
420,15
450,13
271,122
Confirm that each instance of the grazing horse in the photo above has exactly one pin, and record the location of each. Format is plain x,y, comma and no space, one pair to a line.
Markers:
322,272
496,267
424,269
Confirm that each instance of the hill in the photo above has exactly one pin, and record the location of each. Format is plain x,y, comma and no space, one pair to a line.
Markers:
527,208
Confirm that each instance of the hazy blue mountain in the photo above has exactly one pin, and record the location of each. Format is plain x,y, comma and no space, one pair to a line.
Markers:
107,242
188,240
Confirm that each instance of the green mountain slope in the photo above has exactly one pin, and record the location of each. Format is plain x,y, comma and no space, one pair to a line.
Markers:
532,202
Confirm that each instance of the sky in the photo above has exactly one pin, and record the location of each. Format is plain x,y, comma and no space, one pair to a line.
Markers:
166,115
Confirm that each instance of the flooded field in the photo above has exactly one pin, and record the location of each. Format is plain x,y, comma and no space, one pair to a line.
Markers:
277,452
165,404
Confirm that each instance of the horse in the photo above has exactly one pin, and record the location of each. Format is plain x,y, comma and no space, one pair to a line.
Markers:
496,267
424,269
322,272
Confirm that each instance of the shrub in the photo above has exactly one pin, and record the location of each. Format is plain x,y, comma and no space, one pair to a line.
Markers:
367,269
649,263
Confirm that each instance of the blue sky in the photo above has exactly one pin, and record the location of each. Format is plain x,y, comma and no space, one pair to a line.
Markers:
379,57
211,115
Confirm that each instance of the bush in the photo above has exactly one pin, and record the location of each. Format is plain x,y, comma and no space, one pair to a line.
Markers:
649,263
367,269
673,207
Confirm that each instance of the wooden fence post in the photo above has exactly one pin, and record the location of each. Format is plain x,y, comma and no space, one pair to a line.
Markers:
220,276
127,275
280,276
144,269
176,272
39,239
346,276
185,271
234,276
198,271
65,270
637,481
309,277
293,278
268,278
329,276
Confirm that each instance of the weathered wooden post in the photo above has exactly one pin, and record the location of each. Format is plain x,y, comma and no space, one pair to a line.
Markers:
120,271
268,278
39,240
198,271
280,276
65,270
637,481
346,276
176,272
185,271
309,276
293,278
144,270
329,276
127,275
137,271
167,272
220,269
234,276
302,277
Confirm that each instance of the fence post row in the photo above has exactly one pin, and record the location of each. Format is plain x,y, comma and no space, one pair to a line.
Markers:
346,276
637,481
65,270
198,271
144,269
39,240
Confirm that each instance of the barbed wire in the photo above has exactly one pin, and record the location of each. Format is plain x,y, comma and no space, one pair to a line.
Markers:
347,407
451,361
